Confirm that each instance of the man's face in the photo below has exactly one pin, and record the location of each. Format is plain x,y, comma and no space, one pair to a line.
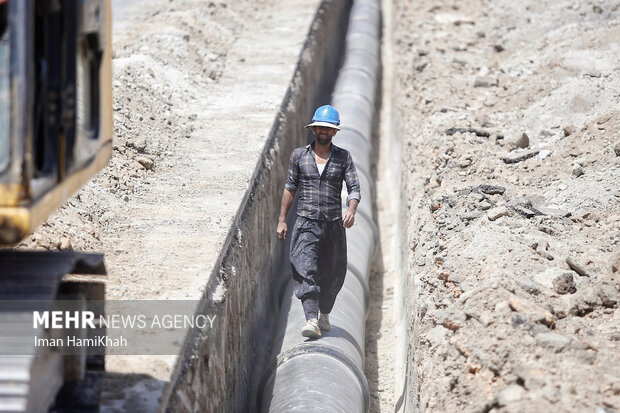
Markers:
323,134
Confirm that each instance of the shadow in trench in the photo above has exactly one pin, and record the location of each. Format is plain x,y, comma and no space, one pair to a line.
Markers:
375,311
373,328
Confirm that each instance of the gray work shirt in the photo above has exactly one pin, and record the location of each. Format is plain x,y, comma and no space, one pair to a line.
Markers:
319,195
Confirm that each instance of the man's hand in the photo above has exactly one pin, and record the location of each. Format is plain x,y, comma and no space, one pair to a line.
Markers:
348,218
287,201
282,230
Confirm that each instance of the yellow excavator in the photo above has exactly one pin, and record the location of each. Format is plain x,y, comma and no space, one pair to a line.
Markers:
55,135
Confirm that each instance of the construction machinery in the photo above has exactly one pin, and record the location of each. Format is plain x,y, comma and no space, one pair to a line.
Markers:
55,135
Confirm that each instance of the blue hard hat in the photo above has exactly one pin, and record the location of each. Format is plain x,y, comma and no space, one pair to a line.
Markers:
325,115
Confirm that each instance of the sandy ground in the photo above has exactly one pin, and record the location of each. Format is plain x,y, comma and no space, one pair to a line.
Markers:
509,120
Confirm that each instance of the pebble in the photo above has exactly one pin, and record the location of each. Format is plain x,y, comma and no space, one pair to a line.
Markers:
547,278
496,213
615,262
577,171
469,216
569,130
555,212
554,340
147,162
525,212
528,286
485,81
545,254
138,144
546,229
608,294
510,394
541,247
578,268
453,320
584,302
491,189
65,243
617,149
564,283
523,142
484,206
532,311
43,240
519,156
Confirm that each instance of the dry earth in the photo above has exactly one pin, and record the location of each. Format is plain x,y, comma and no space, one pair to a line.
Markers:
508,113
513,241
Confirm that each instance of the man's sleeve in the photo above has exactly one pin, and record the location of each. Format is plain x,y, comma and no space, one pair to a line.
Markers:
292,180
350,178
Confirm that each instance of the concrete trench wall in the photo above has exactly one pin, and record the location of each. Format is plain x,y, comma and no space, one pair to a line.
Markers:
215,371
307,375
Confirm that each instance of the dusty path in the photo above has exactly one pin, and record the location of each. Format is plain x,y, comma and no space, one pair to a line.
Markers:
510,131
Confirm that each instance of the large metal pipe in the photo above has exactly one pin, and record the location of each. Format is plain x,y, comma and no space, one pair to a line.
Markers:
328,374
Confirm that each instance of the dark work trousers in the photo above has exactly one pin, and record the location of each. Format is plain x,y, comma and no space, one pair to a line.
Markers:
319,260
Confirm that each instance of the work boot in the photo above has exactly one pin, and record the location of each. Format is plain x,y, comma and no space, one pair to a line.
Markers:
311,329
324,322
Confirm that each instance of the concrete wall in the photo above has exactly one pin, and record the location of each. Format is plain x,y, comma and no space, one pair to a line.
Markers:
215,372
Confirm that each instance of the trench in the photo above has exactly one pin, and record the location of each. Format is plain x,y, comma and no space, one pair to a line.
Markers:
308,375
259,361
387,323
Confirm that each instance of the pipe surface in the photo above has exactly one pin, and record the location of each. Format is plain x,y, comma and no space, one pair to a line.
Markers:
328,374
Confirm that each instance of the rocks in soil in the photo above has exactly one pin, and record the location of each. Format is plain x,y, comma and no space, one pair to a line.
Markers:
521,142
65,243
577,171
589,299
615,262
564,283
477,131
534,341
139,144
569,130
510,394
542,248
453,320
146,162
557,279
556,212
532,311
519,156
556,341
577,267
496,213
491,189
523,206
486,81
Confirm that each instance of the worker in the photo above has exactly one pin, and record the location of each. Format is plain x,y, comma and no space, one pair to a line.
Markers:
318,242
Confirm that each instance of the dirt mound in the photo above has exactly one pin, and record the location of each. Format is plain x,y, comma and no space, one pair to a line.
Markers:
509,123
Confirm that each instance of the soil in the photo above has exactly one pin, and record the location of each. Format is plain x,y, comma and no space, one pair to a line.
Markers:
507,115
509,123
